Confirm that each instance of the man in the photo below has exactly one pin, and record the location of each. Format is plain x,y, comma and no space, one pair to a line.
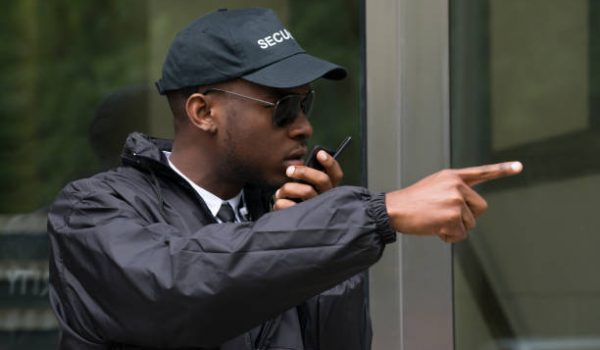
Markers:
177,247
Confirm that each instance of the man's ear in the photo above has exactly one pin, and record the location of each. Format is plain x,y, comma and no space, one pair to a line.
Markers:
199,113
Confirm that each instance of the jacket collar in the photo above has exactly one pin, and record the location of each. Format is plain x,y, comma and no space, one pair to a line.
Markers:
140,145
145,153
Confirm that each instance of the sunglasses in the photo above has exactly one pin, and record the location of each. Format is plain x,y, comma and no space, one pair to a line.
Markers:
285,109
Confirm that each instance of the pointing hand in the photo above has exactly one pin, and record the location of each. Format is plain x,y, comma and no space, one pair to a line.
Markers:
444,203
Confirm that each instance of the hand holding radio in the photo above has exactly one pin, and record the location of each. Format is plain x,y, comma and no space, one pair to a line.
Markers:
321,173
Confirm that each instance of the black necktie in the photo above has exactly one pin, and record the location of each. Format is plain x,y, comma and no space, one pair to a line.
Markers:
226,213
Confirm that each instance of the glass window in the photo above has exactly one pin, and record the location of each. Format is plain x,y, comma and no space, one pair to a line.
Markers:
77,77
525,86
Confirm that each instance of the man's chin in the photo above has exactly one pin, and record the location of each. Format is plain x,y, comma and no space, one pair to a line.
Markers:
273,183
278,182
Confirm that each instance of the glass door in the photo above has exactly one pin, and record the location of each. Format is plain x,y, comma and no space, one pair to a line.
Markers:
525,85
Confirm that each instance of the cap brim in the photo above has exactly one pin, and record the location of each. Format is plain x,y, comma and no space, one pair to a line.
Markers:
294,71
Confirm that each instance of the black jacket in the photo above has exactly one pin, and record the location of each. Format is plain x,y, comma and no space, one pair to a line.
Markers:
138,261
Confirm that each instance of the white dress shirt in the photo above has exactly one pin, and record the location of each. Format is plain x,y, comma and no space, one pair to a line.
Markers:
213,202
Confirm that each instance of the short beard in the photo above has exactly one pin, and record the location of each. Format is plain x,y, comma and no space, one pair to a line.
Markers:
238,169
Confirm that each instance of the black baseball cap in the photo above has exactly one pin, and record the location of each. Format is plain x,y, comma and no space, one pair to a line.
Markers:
251,44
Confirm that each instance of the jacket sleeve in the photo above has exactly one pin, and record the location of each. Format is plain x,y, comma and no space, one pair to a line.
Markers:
117,278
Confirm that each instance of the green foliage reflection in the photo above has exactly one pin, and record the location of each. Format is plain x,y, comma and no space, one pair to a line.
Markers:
58,59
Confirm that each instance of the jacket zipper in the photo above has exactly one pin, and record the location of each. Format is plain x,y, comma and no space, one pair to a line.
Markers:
264,336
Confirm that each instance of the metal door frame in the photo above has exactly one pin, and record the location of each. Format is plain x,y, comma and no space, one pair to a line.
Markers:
408,137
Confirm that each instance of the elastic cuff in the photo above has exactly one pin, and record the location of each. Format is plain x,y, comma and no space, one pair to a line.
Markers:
378,213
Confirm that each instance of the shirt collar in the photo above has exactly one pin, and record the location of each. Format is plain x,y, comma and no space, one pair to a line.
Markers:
213,202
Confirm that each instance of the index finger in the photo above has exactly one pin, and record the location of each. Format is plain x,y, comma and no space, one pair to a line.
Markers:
332,167
478,174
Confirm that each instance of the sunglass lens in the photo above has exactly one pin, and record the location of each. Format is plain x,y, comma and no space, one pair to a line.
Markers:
307,102
288,108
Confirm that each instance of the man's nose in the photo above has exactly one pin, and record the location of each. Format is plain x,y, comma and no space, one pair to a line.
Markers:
301,128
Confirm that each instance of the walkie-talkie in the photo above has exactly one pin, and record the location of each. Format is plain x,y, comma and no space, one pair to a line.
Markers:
312,157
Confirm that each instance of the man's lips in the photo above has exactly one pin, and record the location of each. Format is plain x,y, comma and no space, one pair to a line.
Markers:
289,162
295,157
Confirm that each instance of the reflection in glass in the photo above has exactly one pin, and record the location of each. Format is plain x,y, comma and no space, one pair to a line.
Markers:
525,86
